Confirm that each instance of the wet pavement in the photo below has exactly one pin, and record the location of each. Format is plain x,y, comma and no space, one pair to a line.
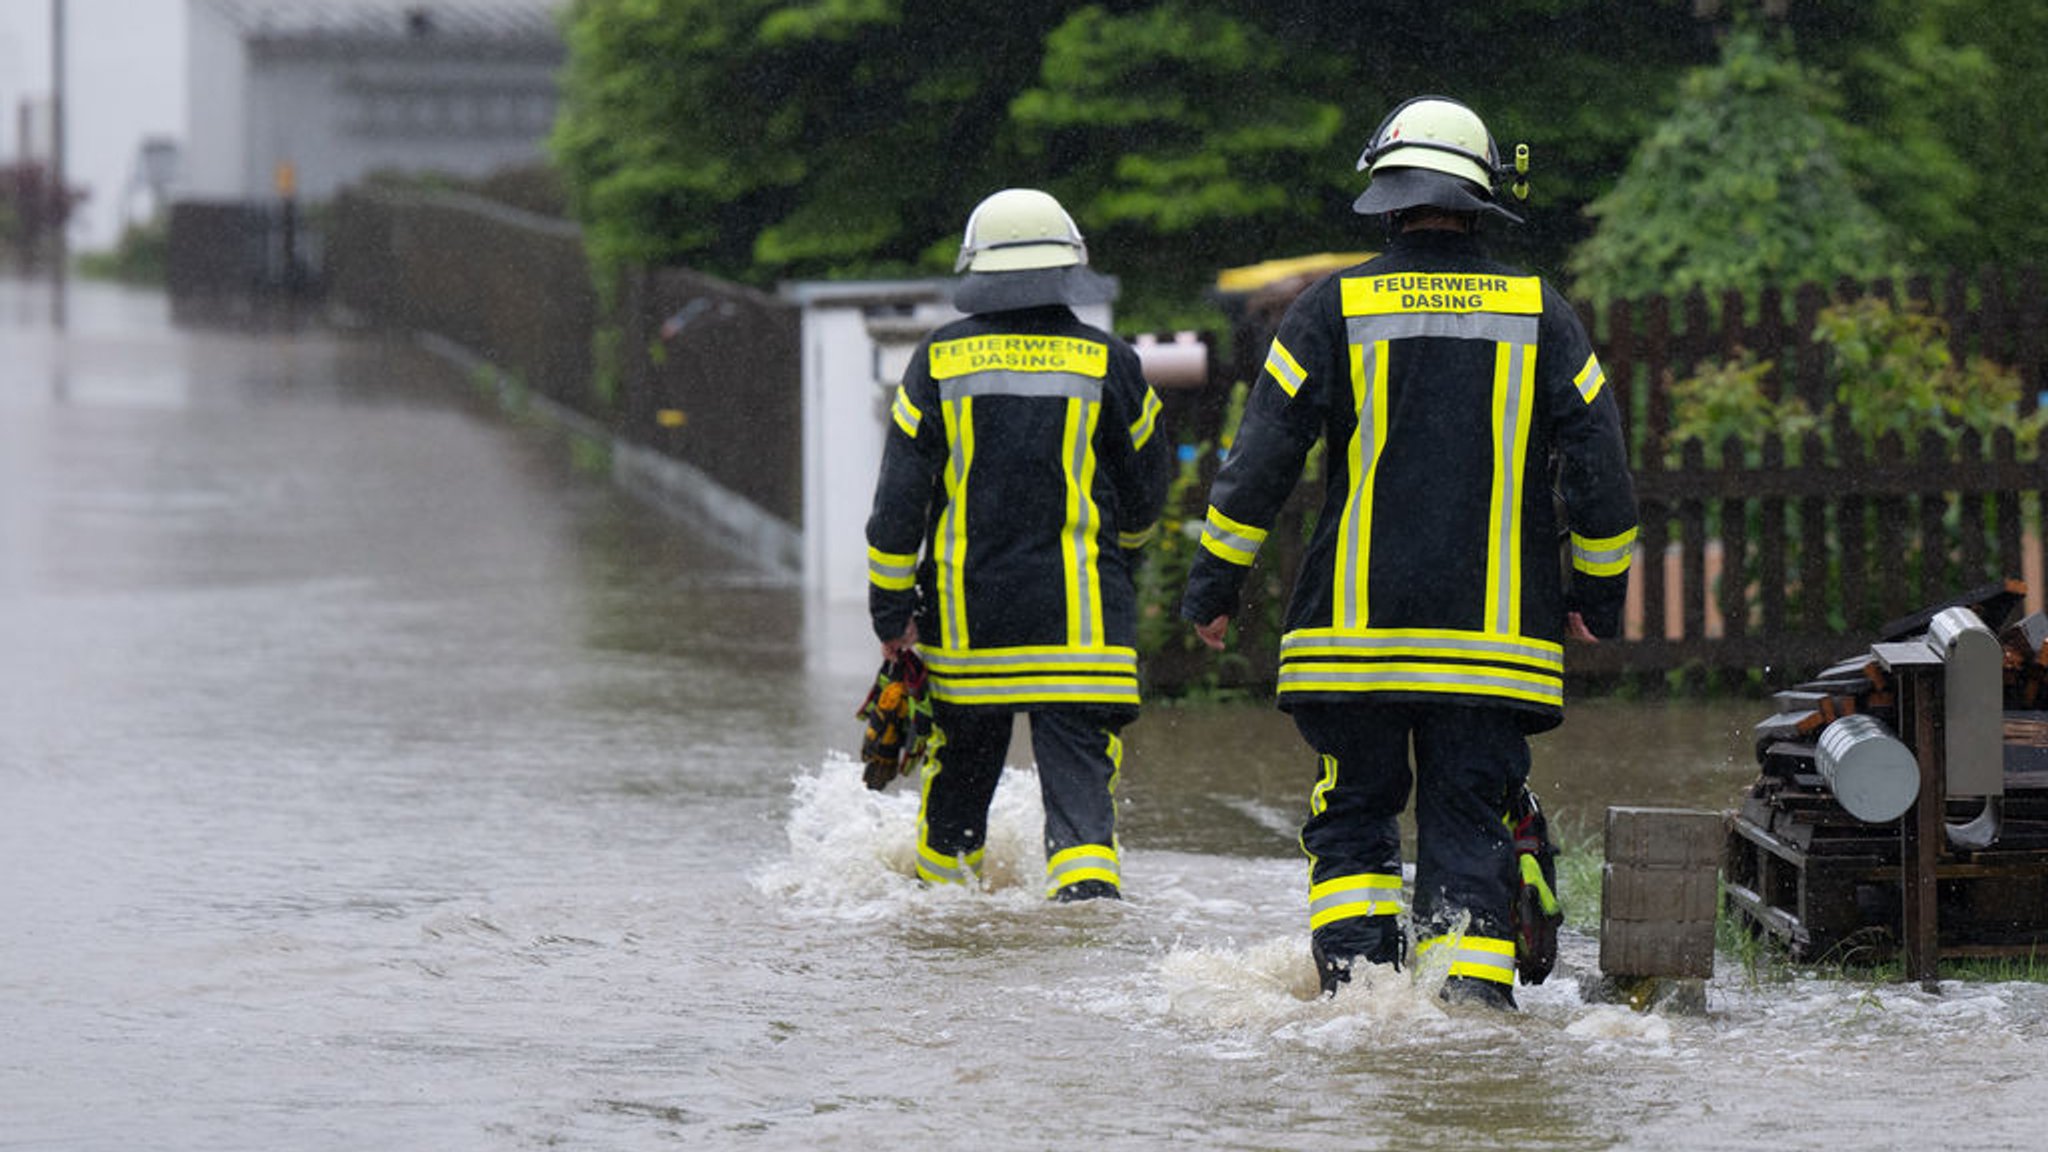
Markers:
373,773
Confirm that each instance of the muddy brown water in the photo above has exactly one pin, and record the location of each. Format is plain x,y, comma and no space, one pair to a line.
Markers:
371,775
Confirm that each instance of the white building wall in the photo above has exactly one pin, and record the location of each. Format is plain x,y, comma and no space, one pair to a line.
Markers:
339,108
337,121
212,167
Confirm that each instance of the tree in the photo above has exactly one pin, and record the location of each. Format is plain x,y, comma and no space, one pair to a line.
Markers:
1181,138
1743,186
1993,127
759,139
767,139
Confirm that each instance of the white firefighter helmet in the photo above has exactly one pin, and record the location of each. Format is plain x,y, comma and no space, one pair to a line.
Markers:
1434,151
1019,229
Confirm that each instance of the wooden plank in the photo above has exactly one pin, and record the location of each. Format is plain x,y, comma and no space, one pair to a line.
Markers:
1808,355
1905,654
1920,837
1937,560
1731,592
1973,527
1656,351
1852,526
1692,535
2005,504
1813,560
1771,575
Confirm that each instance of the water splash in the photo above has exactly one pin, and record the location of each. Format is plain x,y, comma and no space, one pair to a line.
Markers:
853,851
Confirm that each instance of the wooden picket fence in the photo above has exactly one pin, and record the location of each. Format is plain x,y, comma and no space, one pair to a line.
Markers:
1784,558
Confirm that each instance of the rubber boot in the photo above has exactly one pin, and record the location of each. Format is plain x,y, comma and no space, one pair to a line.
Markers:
1367,939
1088,890
1473,990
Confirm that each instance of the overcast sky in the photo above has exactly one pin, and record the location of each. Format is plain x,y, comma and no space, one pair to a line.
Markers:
125,71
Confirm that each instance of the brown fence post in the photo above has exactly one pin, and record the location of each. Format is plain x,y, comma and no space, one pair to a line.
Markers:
1733,533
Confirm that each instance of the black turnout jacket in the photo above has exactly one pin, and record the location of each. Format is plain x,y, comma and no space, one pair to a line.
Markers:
1462,407
1020,476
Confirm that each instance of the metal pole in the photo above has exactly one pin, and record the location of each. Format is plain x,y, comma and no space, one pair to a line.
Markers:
61,254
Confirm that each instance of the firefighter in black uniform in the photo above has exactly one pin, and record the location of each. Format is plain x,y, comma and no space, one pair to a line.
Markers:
1454,395
1020,479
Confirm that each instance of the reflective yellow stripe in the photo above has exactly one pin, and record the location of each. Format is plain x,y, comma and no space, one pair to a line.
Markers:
950,661
1349,897
1393,677
1080,549
1441,643
1017,690
1047,674
1606,556
1348,599
1590,379
1081,862
1513,402
935,867
951,536
1148,419
1285,370
1319,797
1480,957
1138,539
939,868
1422,660
906,414
1229,540
895,572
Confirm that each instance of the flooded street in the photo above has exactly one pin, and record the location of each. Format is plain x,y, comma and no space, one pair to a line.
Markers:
374,774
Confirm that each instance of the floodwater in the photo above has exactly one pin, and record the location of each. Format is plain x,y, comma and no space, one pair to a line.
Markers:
374,775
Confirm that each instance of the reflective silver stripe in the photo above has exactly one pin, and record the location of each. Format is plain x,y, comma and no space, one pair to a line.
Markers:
1480,956
1351,576
1147,421
1286,372
1237,543
1349,903
1452,644
1447,325
892,572
1013,660
1063,385
943,868
1507,539
951,536
1341,677
906,414
1607,556
1098,691
1086,612
1067,867
1590,378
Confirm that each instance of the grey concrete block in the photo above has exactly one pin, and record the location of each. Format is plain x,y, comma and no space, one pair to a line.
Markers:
1658,894
1665,837
1657,948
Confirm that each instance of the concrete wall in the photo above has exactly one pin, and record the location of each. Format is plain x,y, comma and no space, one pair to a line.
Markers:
699,403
